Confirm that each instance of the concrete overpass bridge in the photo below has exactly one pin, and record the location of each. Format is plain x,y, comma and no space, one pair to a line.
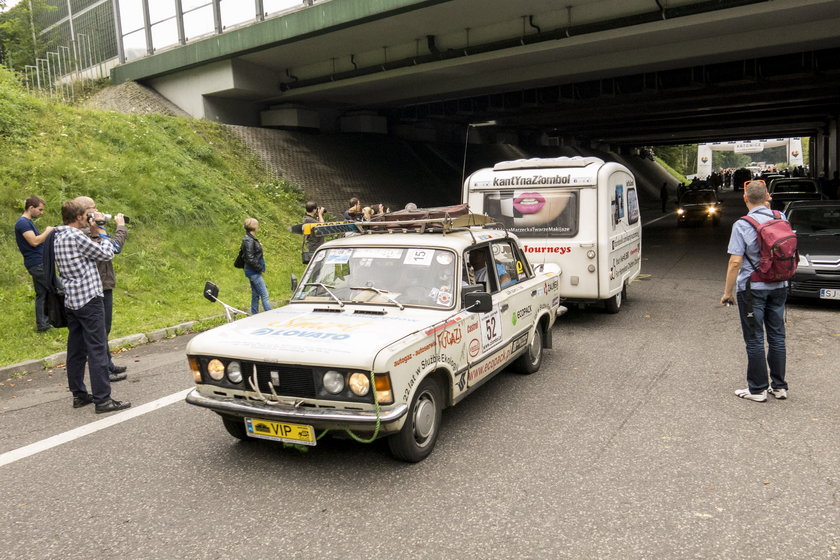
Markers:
611,74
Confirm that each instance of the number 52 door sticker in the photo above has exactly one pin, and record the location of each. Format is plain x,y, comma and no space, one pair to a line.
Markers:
491,329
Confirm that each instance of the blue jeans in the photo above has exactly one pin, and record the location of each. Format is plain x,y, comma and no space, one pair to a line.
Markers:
37,273
768,316
258,292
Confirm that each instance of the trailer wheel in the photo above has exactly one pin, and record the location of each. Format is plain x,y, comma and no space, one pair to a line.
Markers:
613,304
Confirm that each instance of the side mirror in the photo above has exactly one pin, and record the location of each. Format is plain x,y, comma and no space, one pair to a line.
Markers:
211,291
478,302
306,256
294,282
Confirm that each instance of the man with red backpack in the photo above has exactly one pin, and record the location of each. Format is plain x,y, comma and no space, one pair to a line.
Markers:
762,257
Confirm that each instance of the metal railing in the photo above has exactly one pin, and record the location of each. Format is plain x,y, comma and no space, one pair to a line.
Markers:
58,72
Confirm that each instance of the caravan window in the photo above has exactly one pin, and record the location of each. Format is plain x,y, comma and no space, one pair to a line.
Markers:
632,206
541,212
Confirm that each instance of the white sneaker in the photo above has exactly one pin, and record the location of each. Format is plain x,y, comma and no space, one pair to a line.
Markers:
780,394
745,394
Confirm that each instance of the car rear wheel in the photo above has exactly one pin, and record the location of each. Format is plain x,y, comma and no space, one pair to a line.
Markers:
531,360
420,432
235,427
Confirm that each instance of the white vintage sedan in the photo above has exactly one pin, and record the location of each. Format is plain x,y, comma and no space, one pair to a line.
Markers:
385,330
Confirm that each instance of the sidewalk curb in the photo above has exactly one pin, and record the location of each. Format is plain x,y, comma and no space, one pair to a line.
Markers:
130,341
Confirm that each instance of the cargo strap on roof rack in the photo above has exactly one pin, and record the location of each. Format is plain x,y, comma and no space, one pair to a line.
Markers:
423,220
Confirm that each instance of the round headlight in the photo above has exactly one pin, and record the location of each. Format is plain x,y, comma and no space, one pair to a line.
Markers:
359,384
680,211
234,372
216,369
333,382
590,254
712,209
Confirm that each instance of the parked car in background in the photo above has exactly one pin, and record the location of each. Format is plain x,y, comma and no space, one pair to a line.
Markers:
787,189
817,227
698,206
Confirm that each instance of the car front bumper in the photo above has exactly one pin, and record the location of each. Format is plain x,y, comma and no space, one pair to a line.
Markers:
317,417
808,282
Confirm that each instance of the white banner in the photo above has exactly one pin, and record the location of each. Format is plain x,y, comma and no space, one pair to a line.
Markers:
748,147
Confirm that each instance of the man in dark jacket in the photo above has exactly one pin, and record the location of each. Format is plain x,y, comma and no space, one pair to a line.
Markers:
314,215
107,274
29,241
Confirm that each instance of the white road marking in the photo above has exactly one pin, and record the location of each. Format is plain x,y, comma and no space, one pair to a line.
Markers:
76,433
668,215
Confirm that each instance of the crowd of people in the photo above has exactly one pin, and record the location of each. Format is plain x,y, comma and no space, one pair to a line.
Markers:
81,250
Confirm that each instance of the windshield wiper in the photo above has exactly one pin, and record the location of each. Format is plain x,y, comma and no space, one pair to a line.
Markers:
326,289
383,293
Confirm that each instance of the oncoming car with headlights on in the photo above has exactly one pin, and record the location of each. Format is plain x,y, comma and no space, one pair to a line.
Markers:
698,206
385,330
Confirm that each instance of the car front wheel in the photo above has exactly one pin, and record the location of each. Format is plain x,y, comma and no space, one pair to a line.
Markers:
420,432
235,427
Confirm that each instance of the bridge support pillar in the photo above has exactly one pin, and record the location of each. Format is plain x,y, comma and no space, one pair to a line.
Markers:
832,155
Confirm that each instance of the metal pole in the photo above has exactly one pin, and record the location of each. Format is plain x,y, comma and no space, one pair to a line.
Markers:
80,37
84,39
68,71
58,87
260,9
115,4
147,25
97,50
38,74
49,75
38,61
32,25
76,54
217,17
29,84
179,22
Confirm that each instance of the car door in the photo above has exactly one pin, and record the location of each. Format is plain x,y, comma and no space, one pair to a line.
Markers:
515,294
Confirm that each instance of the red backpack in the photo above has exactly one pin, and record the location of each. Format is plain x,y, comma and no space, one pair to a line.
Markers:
777,249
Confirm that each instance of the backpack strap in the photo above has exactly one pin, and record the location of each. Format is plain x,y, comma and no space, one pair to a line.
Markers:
754,223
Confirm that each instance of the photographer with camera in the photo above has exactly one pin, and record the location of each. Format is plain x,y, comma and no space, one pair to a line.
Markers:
76,255
314,215
106,269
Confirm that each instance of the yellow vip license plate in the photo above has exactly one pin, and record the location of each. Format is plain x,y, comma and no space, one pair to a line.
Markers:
280,431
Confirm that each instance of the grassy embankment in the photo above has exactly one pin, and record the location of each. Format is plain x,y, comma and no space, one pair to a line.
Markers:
677,175
187,185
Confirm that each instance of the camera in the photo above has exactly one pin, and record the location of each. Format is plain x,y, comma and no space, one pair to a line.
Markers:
105,219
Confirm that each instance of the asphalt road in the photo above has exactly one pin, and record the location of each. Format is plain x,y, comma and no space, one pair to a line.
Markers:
628,444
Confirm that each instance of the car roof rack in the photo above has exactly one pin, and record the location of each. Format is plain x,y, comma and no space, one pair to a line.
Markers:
443,219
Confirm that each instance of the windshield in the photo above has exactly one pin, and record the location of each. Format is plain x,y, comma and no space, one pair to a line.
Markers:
381,275
701,197
795,187
815,220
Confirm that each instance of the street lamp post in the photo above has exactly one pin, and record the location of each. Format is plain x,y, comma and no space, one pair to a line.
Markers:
470,126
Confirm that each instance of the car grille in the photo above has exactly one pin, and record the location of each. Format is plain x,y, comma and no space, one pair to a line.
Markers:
293,381
817,283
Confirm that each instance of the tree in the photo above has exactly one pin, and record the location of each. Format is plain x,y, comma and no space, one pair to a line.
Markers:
19,40
682,158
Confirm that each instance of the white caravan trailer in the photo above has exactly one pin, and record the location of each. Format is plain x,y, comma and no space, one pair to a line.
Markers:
580,213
